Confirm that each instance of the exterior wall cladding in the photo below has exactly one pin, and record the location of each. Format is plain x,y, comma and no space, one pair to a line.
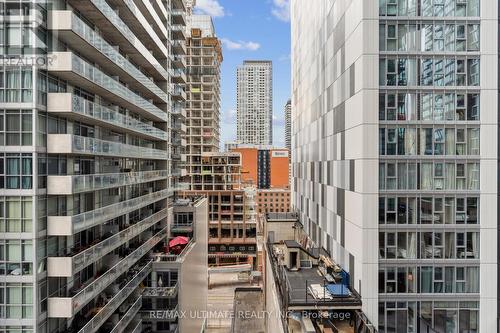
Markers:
416,104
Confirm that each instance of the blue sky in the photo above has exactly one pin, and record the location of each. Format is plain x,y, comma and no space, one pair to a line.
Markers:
251,29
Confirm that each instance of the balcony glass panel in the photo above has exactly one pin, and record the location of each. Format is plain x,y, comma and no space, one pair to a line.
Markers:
127,317
93,74
102,113
86,145
117,300
89,219
82,183
92,254
113,17
105,48
97,286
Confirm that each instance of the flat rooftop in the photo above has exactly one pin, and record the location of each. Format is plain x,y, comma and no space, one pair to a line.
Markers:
248,311
282,217
295,285
300,296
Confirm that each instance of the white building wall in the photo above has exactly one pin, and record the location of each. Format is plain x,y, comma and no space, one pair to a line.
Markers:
334,134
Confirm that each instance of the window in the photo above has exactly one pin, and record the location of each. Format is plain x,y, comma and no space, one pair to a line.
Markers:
437,71
16,127
432,140
432,210
16,171
16,257
436,8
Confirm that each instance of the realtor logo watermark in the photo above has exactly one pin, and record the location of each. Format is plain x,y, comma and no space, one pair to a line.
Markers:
28,60
173,314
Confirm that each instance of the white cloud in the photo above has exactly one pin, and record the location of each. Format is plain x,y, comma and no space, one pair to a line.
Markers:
278,121
230,117
240,45
281,10
209,7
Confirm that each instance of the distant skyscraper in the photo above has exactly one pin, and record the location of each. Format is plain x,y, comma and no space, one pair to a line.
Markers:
255,102
288,124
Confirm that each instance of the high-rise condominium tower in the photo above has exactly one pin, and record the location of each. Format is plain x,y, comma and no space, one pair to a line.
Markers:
86,117
288,125
395,157
255,102
203,91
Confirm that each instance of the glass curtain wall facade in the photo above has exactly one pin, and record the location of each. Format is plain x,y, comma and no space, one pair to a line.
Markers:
429,172
407,89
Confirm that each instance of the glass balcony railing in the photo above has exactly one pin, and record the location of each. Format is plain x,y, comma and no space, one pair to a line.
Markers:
113,17
178,90
179,59
179,73
83,183
113,304
179,12
179,44
138,327
86,145
96,76
101,283
178,109
164,292
93,253
92,218
102,113
127,317
93,38
179,27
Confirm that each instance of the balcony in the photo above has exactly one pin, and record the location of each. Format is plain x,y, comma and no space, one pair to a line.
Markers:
127,317
179,127
160,292
119,34
178,110
75,70
105,312
182,227
179,61
134,17
70,265
137,328
178,17
67,307
78,108
70,225
66,185
178,92
82,38
179,47
169,257
178,32
179,76
81,145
